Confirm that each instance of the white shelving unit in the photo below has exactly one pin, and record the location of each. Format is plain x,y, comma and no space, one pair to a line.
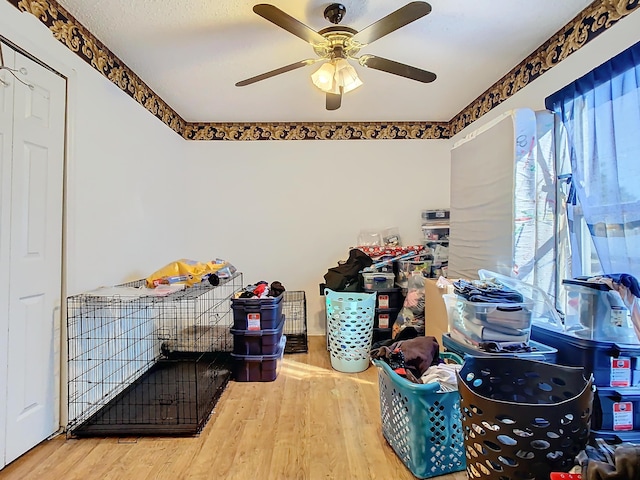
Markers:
435,232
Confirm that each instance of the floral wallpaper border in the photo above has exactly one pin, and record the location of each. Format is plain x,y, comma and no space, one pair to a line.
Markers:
79,40
593,20
316,131
587,25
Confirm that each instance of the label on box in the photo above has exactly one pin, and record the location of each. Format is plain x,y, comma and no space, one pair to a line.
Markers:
619,317
620,372
253,321
383,301
383,320
623,416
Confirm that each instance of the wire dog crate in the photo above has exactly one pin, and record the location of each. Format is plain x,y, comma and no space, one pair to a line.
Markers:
294,309
148,365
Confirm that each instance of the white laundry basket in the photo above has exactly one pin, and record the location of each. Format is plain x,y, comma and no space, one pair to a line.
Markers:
349,329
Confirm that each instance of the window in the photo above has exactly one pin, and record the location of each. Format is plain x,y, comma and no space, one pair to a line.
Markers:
600,114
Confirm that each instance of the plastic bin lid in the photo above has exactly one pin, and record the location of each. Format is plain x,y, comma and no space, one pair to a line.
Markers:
584,282
544,311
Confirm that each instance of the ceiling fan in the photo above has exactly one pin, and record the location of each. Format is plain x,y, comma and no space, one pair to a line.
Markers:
337,44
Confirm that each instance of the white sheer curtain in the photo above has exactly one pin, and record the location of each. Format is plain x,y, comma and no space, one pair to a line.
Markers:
601,114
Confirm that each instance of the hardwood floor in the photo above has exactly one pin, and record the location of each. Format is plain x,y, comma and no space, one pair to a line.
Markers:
312,422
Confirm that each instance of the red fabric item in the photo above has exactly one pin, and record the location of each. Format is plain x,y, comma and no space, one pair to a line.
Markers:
375,251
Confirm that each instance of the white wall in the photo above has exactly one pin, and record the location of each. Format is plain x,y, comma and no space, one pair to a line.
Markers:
288,211
608,44
122,167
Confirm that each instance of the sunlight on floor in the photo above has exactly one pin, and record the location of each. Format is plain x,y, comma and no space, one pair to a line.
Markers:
301,371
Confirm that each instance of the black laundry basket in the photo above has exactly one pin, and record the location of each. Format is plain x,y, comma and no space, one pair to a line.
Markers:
522,419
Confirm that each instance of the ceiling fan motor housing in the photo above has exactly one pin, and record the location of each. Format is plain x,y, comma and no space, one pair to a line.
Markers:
335,13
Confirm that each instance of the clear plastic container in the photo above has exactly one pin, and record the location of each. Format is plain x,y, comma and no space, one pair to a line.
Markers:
542,308
407,268
378,280
368,238
489,322
596,312
435,232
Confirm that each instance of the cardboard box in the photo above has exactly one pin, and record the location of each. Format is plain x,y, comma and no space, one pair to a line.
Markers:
436,320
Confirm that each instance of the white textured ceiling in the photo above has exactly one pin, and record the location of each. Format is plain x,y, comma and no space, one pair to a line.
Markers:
192,52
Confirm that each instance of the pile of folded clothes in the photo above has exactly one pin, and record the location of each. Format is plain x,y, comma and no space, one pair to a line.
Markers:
490,316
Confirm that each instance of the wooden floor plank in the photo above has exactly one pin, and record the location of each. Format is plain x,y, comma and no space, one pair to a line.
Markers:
311,423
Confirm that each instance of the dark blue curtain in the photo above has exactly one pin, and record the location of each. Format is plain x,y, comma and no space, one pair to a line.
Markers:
601,114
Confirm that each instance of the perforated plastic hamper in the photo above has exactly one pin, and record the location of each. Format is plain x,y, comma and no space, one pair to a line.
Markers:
422,425
350,329
522,419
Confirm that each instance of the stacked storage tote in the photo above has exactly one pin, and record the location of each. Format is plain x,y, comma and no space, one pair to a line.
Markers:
475,325
598,335
258,342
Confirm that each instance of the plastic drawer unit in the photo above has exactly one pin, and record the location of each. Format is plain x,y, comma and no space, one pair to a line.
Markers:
381,334
384,317
388,297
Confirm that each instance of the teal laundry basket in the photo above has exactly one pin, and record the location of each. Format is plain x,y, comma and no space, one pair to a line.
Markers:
350,329
422,425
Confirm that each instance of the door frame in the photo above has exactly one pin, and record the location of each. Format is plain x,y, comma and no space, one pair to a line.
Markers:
37,43
5,249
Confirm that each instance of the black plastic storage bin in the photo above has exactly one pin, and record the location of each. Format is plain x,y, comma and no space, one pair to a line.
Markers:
522,419
257,342
384,318
612,364
256,313
616,409
388,298
614,437
258,368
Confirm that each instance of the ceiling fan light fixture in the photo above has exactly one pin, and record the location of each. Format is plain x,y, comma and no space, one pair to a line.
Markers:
346,76
323,77
333,75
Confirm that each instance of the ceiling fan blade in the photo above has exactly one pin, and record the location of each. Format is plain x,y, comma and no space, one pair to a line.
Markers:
395,20
334,100
278,71
290,24
396,68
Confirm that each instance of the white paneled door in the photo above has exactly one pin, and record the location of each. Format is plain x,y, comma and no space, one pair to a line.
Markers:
35,253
